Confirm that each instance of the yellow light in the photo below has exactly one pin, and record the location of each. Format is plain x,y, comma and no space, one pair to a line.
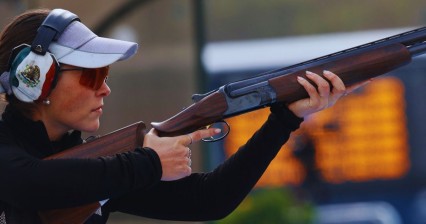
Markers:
363,137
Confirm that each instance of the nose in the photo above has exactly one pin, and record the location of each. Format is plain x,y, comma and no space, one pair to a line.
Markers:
104,90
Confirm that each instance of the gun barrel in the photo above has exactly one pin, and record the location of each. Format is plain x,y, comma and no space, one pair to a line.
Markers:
410,38
417,49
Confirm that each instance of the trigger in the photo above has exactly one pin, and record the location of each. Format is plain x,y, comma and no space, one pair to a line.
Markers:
222,125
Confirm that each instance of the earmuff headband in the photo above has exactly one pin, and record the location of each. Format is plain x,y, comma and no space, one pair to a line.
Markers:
51,28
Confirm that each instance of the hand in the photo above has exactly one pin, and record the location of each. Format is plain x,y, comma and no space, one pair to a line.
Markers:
321,97
174,152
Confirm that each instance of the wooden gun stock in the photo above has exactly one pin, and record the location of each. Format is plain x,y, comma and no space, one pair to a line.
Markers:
122,140
351,70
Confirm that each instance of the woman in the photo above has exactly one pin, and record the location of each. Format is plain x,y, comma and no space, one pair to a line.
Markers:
45,116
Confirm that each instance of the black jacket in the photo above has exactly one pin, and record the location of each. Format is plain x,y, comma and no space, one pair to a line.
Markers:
131,181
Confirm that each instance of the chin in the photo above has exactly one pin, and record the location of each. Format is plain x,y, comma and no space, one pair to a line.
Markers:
91,128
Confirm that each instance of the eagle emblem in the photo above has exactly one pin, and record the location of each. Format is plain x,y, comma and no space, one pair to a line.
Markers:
30,75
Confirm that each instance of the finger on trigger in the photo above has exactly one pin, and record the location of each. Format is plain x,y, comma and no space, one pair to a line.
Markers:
204,133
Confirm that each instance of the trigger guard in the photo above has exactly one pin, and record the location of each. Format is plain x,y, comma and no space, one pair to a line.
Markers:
212,139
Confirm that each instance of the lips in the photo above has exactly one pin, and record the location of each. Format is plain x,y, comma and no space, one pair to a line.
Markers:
97,109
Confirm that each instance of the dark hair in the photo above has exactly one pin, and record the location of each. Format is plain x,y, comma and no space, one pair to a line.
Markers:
21,30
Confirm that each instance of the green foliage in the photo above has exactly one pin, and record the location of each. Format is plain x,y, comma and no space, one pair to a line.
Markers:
268,206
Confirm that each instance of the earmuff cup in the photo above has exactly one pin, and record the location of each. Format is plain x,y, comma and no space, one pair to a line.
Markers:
33,71
32,76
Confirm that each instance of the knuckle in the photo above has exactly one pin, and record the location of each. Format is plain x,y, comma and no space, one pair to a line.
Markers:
309,87
196,135
323,85
185,169
314,102
181,140
187,160
183,151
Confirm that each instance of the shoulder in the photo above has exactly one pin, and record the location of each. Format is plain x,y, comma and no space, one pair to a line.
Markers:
6,135
9,143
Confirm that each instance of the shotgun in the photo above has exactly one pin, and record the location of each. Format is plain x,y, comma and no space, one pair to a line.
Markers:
352,65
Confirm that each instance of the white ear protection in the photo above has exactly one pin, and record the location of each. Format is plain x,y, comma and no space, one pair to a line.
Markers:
33,70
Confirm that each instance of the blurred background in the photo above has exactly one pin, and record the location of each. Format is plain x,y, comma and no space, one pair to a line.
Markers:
361,161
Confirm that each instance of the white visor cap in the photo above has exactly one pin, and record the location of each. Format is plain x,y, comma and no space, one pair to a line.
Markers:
79,46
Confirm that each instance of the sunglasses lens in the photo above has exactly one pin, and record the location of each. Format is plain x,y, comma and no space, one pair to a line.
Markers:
94,77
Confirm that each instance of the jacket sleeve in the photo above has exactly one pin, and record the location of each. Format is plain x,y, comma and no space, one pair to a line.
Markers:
210,196
32,183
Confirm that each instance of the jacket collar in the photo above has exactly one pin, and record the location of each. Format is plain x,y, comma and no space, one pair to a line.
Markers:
33,135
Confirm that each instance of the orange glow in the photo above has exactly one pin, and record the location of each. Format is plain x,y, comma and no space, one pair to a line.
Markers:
363,137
